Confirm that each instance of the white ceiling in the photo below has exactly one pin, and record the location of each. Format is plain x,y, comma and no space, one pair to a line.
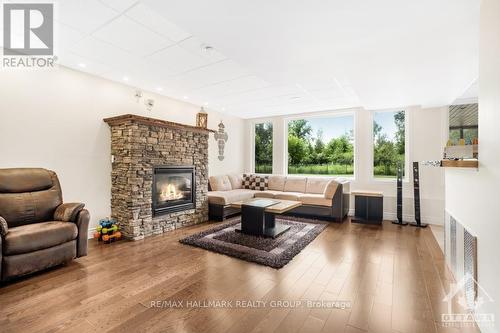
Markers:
277,57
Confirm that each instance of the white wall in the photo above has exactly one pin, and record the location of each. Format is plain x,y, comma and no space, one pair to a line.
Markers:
426,137
472,196
53,119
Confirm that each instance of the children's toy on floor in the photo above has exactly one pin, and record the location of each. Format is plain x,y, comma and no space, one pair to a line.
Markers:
108,231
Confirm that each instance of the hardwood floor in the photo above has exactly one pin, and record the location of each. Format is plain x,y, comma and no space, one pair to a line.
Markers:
394,277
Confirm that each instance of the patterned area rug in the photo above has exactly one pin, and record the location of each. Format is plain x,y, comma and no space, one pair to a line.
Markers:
271,252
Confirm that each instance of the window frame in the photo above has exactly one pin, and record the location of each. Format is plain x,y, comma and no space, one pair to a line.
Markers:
252,144
407,169
328,114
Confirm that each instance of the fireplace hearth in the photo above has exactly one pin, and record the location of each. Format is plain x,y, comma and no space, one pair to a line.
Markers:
173,189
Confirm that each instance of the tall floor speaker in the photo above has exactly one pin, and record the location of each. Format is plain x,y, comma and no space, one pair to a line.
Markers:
400,196
416,197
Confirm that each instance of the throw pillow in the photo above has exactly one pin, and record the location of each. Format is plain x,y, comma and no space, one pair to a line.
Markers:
261,183
236,181
248,181
220,183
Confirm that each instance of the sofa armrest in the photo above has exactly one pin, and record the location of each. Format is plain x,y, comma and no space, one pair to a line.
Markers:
68,212
331,188
82,222
338,203
4,228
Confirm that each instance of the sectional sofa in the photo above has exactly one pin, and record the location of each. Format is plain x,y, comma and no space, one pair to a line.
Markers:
321,197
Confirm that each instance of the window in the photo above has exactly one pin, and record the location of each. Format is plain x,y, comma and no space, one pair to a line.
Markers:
321,146
463,123
388,143
264,148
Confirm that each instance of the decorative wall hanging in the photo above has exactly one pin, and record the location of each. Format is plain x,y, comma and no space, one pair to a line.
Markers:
221,138
202,118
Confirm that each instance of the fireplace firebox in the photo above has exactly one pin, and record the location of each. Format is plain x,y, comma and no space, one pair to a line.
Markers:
174,189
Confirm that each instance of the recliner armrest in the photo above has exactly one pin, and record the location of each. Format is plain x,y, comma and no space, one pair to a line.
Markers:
67,212
4,227
82,222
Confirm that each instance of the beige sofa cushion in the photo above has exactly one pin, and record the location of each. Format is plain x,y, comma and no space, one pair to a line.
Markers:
330,189
315,199
220,183
316,185
267,194
295,184
236,181
276,183
227,197
288,196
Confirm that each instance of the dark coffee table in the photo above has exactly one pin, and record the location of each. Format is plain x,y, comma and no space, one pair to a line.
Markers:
258,216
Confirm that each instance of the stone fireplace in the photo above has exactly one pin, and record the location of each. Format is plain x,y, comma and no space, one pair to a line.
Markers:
159,176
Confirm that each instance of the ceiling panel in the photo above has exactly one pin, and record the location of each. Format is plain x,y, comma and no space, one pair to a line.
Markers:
132,37
119,5
215,73
177,59
194,45
463,115
156,22
278,57
105,53
260,94
83,15
66,37
80,63
231,87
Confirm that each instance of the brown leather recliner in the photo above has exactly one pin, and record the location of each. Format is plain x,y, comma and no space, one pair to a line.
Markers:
37,230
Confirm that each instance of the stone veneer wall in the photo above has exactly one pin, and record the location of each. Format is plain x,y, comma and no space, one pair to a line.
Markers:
137,148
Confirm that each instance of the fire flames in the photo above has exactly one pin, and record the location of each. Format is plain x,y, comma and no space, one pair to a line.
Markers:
170,192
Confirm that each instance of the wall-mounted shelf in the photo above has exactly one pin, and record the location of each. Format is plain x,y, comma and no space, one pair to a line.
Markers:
460,164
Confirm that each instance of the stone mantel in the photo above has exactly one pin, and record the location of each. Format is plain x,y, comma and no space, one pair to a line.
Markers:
118,120
138,144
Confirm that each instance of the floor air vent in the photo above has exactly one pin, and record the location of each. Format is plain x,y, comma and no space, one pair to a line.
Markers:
470,267
460,248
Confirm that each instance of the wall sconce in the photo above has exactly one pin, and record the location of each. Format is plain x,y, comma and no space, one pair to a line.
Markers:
148,102
138,95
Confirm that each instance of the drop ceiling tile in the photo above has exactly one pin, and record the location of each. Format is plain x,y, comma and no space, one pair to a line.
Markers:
262,94
150,72
152,20
80,63
177,59
83,15
65,37
328,94
131,36
119,5
232,87
104,53
194,45
215,73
